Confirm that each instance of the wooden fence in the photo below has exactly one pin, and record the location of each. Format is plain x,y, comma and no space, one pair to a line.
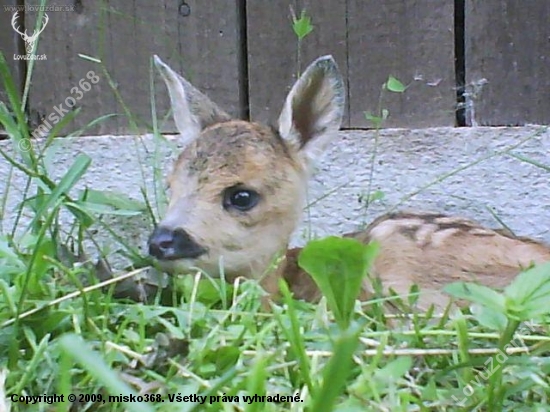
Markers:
467,62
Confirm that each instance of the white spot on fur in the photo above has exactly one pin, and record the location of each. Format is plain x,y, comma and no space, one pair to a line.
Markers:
441,236
480,231
390,227
424,234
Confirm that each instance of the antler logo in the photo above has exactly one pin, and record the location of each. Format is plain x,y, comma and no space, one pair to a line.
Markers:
29,40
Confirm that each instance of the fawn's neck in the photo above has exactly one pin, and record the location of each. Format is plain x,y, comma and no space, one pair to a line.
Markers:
299,282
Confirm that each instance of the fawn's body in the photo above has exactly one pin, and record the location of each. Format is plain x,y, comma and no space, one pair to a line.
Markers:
238,189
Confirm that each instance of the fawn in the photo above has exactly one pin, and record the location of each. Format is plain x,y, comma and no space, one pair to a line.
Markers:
238,189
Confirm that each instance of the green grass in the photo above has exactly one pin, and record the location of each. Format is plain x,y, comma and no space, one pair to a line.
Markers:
62,331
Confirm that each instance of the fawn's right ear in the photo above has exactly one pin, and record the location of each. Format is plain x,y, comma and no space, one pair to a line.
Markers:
192,110
313,109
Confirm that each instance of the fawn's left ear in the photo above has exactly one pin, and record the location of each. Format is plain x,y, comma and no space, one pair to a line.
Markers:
192,110
313,109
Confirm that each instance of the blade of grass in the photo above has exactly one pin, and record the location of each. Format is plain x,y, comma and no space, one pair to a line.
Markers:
294,336
530,161
337,371
73,175
90,360
13,94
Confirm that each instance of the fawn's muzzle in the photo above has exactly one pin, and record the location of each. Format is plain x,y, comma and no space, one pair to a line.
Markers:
168,244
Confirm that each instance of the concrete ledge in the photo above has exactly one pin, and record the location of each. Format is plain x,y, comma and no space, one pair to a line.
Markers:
405,163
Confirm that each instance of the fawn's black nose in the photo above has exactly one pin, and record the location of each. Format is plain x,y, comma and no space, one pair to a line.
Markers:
168,244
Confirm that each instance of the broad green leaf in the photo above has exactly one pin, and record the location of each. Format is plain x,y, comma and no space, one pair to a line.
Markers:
530,284
473,292
489,317
302,26
528,295
338,267
394,85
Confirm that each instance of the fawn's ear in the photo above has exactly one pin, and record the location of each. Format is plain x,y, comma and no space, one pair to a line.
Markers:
192,110
313,109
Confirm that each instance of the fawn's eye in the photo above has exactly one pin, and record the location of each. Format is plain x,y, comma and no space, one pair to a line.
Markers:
236,197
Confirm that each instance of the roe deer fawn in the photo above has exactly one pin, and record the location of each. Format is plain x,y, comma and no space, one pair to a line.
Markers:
238,189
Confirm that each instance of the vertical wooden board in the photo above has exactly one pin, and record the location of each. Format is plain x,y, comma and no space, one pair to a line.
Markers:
410,40
507,54
329,36
10,44
200,40
272,49
271,57
63,75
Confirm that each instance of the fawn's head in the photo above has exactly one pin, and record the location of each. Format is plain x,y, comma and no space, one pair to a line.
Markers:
238,188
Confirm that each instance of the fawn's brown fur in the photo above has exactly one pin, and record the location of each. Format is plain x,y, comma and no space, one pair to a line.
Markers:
238,189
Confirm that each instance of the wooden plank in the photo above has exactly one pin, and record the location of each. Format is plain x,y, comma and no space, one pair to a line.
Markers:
272,49
507,62
200,41
410,40
327,37
55,81
10,44
271,57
